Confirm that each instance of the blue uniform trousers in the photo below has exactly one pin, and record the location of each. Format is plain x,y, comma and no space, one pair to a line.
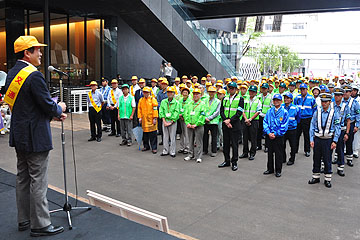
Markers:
340,151
349,143
322,150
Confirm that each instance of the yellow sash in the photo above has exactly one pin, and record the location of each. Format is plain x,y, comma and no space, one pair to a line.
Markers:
16,84
113,97
96,107
132,90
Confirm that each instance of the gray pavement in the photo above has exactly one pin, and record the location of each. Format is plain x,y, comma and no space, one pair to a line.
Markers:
203,201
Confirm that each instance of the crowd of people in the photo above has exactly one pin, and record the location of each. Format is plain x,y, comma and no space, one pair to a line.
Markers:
232,112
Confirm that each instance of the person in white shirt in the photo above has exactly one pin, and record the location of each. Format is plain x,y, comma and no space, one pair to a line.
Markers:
113,97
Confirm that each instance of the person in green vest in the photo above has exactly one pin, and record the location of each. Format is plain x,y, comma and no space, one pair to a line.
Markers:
211,121
204,96
292,88
277,84
252,110
231,111
195,114
184,138
126,106
282,88
265,101
169,113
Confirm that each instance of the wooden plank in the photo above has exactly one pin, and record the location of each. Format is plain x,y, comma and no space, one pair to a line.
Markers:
129,212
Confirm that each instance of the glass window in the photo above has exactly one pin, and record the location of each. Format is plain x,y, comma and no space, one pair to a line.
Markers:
77,51
36,20
58,44
268,27
298,25
2,41
94,32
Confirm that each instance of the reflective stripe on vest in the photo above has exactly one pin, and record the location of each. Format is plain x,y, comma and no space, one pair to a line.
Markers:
251,110
230,109
321,133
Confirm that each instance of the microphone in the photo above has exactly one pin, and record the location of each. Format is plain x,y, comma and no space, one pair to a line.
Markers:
52,69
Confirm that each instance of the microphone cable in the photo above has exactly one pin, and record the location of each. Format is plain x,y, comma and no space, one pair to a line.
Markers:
73,153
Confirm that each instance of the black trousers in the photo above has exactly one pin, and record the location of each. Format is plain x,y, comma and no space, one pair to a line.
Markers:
250,133
303,127
105,115
160,123
349,142
213,128
95,122
290,135
261,133
152,138
276,146
115,121
230,138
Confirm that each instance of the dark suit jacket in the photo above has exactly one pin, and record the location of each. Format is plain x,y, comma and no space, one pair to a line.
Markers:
138,94
32,113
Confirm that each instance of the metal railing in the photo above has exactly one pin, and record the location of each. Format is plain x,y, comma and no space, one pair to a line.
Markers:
201,32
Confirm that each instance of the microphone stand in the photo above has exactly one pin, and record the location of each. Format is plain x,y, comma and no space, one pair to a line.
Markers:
67,206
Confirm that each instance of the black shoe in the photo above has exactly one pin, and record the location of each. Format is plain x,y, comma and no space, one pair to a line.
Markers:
24,226
278,174
327,184
172,155
355,155
164,154
234,167
244,155
108,130
334,161
46,231
341,173
258,148
240,141
124,142
307,154
98,139
154,151
314,180
111,134
252,157
181,151
145,149
185,152
289,163
350,163
266,150
91,139
117,135
161,143
129,144
224,164
267,172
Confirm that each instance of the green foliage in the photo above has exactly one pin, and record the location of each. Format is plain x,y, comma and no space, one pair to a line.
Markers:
274,58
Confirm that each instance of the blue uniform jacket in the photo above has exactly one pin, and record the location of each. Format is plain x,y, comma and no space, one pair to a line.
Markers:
32,113
354,111
276,123
294,115
307,105
334,128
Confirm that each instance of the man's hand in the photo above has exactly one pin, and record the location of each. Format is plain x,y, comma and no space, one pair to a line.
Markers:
207,120
154,121
63,106
62,117
356,129
193,126
346,137
181,117
271,135
112,108
312,144
140,120
333,145
119,118
188,126
229,125
107,108
131,117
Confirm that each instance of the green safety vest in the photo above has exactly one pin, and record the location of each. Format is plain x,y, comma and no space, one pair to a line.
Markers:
169,111
231,109
211,109
266,104
195,113
250,110
125,108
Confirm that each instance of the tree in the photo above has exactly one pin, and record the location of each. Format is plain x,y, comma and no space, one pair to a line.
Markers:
249,35
274,58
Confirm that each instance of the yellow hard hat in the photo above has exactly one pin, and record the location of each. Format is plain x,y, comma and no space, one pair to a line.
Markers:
154,80
177,79
208,84
196,90
93,83
114,81
171,89
142,80
146,89
134,78
211,89
222,91
25,42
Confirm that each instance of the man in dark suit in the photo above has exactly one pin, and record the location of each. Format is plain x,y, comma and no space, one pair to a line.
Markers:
32,111
232,107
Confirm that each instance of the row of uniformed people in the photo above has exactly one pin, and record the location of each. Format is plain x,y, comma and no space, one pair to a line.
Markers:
303,103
